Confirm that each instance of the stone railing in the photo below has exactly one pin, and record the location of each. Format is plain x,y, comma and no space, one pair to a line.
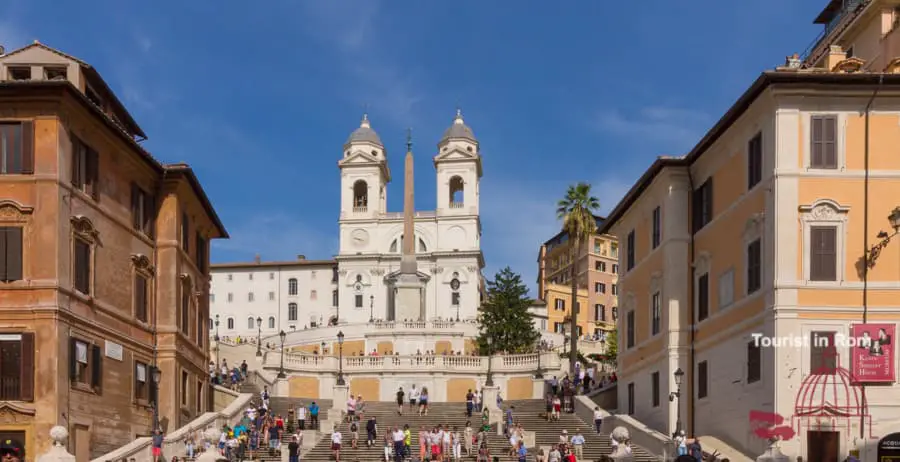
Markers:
174,443
653,441
328,334
299,362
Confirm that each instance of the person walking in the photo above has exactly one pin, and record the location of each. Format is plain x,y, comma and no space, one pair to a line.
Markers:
578,445
314,415
397,435
400,395
371,431
470,403
294,450
336,439
301,416
157,445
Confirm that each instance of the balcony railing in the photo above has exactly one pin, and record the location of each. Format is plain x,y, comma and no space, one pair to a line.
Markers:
360,209
301,362
456,205
850,10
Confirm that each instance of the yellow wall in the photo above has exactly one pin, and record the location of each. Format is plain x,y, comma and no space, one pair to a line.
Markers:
458,388
370,388
303,387
385,347
441,346
519,388
306,348
471,346
560,292
351,348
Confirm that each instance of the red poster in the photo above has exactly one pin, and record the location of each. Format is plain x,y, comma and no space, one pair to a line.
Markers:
872,353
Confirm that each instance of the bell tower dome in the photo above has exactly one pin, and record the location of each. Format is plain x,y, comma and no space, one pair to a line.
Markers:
364,174
458,166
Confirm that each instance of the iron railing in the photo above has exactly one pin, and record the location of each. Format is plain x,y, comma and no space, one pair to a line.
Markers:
850,10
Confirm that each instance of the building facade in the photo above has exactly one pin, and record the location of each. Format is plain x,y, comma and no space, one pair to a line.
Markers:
264,298
764,228
104,268
598,268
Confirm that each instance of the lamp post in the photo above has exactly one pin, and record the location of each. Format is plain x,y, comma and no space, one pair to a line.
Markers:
873,253
371,308
676,396
217,339
340,378
258,336
281,369
156,377
490,380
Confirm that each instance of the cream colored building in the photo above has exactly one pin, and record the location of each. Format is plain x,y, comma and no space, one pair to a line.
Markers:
761,228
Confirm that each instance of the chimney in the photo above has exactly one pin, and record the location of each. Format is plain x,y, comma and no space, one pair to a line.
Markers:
301,257
836,54
256,259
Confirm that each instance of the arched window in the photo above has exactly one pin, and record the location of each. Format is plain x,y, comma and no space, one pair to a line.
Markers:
292,311
360,196
393,246
271,322
250,323
422,246
230,323
292,286
457,192
359,278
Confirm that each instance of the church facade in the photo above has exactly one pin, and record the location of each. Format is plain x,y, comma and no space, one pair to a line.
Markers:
362,277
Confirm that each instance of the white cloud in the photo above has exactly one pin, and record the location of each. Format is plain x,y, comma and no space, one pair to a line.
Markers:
274,236
519,217
676,126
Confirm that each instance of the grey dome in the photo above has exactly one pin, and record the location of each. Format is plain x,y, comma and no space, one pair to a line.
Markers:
364,134
459,129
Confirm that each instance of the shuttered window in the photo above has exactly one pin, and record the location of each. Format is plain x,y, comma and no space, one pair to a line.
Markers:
185,308
754,161
654,389
10,253
141,379
143,210
703,297
702,379
629,256
185,233
85,168
140,297
823,142
17,367
16,148
702,205
823,253
754,362
629,329
754,266
86,364
82,266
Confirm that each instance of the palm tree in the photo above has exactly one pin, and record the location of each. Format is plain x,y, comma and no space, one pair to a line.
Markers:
576,210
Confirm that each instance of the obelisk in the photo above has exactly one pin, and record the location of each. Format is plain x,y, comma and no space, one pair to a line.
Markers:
409,300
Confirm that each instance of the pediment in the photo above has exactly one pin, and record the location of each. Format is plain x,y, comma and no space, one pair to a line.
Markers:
456,154
359,157
38,53
12,413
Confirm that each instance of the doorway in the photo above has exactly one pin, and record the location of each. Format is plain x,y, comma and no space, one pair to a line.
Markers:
822,446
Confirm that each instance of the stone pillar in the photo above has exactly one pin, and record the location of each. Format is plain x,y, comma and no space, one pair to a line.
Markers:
57,453
281,388
210,435
538,388
336,413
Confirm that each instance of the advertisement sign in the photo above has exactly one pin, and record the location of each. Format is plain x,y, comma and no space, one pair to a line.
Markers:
872,353
889,448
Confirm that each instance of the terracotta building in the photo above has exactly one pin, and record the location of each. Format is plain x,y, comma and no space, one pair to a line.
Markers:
597,285
104,260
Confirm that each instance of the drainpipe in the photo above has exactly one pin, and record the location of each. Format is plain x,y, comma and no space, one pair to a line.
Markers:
865,294
691,299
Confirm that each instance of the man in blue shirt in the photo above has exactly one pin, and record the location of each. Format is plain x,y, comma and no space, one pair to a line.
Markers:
314,415
578,445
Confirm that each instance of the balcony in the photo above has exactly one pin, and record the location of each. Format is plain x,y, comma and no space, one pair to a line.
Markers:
456,205
418,363
836,17
360,209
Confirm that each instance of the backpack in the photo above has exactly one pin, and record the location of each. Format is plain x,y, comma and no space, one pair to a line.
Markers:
353,427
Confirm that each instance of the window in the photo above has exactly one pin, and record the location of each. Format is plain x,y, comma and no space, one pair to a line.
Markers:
271,322
823,142
250,296
454,298
615,313
334,275
184,388
10,253
629,329
292,311
656,314
271,296
615,289
559,304
199,397
614,249
702,205
654,389
230,277
250,276
823,253
17,367
185,307
754,161
726,289
615,268
754,362
142,210
703,297
629,258
292,286
598,246
599,312
82,266
600,266
141,381
199,330
631,398
141,299
201,254
577,307
754,266
230,323
822,353
702,380
334,298
358,301
657,228
185,232
230,297
271,276
85,364
599,287
17,148
85,168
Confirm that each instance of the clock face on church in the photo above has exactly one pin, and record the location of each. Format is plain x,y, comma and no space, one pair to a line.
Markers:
359,238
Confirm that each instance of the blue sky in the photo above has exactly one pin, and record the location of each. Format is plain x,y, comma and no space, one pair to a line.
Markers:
260,100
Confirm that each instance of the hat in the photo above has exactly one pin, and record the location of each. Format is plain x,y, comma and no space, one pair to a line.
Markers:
14,447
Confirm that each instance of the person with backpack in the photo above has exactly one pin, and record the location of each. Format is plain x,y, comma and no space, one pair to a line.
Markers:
354,434
371,431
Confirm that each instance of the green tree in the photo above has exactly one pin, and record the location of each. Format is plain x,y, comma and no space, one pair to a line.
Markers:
612,346
576,210
504,316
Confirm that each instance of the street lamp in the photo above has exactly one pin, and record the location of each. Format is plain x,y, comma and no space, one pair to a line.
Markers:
371,308
340,378
258,336
676,395
156,377
217,339
281,370
873,253
490,343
